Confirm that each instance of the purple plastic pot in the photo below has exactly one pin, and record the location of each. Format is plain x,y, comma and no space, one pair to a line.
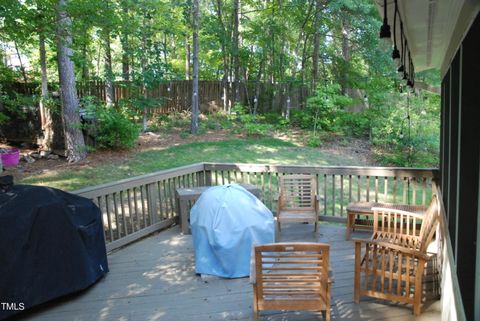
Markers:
10,157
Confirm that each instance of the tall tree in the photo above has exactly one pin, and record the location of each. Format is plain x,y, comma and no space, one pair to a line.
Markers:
223,42
74,141
195,42
45,112
316,43
124,40
236,53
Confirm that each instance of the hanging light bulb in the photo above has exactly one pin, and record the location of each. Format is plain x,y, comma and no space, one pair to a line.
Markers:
385,34
401,68
395,52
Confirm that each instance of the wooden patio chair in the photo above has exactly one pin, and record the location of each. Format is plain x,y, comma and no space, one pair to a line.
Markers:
297,200
291,277
390,265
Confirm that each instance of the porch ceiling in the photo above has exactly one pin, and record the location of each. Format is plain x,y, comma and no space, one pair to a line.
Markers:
434,28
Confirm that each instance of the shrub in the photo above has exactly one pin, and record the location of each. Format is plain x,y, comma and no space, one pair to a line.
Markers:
314,141
113,129
252,129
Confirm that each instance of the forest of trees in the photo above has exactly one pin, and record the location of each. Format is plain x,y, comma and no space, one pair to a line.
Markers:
329,45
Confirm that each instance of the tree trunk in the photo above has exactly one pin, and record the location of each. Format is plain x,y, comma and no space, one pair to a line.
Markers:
22,68
45,114
195,105
144,71
125,46
109,78
236,54
85,71
187,59
346,57
316,44
73,134
224,54
165,58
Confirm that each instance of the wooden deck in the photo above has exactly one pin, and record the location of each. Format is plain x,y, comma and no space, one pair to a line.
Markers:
154,279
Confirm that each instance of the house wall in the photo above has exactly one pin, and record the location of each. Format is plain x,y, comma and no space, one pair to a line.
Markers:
460,164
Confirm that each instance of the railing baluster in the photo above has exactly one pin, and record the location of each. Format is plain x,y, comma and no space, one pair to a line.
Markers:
376,188
160,199
135,200
117,221
325,194
358,189
394,189
124,221
130,210
367,182
341,195
109,218
349,188
385,189
414,193
333,195
168,209
424,191
171,194
142,199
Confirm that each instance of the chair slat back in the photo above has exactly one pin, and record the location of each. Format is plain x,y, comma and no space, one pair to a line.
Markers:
297,192
406,228
291,271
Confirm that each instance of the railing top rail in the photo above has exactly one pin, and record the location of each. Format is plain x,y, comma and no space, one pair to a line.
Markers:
120,185
108,188
338,170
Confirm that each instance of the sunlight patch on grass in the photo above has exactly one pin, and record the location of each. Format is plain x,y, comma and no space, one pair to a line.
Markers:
270,151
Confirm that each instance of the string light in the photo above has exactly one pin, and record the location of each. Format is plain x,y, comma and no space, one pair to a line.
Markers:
395,52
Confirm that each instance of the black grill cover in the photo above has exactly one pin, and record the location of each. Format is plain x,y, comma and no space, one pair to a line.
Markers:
51,244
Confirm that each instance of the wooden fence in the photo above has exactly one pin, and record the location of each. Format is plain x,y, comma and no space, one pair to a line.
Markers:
177,95
135,207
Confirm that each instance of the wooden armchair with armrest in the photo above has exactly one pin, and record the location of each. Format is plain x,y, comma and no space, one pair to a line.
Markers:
297,200
390,265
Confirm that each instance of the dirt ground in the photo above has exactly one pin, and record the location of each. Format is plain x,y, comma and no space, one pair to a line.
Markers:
155,141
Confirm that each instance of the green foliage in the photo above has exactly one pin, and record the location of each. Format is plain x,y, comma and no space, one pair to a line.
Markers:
407,134
249,124
113,129
314,140
16,104
324,110
356,124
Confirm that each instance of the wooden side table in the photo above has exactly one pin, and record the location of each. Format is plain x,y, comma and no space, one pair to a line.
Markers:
364,213
185,195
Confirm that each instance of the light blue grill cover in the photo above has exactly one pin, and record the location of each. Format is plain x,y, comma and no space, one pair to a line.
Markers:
226,221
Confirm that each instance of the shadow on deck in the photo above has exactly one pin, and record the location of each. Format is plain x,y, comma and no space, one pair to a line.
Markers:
154,279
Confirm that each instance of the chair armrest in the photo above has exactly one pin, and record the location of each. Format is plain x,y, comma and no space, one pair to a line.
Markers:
397,212
394,247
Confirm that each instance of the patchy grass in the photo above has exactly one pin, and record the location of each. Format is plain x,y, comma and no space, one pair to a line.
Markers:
250,150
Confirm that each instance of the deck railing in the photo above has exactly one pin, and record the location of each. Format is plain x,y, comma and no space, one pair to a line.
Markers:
337,186
135,207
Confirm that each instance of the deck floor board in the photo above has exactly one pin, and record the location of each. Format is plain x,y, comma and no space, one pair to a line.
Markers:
154,280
